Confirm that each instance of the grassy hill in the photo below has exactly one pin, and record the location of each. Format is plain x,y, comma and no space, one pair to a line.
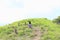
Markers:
45,30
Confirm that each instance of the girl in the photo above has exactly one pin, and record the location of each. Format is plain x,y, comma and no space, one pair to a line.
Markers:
30,25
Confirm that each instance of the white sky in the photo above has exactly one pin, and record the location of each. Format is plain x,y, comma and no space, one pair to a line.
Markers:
13,10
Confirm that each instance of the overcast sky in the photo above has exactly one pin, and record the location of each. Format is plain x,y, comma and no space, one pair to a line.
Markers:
14,10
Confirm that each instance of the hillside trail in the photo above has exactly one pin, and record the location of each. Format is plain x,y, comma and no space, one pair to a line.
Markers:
37,33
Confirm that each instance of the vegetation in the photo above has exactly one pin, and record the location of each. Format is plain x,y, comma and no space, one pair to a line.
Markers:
48,29
57,20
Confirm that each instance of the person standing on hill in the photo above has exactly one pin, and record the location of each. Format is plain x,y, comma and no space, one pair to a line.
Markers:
30,25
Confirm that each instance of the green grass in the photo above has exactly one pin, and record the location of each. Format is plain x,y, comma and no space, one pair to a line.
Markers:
49,30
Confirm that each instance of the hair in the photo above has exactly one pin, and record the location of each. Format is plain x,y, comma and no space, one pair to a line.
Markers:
29,22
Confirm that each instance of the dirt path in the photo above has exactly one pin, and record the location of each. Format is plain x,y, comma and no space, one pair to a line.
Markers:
37,33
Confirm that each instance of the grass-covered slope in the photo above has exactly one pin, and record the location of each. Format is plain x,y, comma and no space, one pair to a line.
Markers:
48,30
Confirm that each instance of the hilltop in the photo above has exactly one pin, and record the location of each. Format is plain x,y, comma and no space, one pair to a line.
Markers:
43,29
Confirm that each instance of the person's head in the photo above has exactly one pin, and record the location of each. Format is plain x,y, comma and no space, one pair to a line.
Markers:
29,22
